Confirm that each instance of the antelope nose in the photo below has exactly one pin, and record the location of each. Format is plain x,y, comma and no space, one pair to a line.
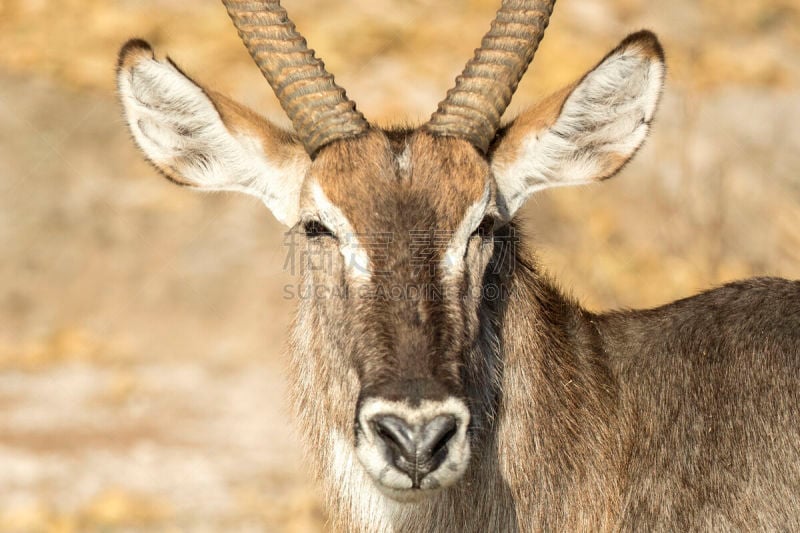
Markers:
415,449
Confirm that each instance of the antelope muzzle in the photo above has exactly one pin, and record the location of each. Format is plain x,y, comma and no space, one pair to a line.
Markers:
413,448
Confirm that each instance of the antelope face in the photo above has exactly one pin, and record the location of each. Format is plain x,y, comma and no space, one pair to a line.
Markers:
410,259
404,219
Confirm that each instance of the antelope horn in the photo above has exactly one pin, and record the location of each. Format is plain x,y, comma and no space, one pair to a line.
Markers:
472,109
318,108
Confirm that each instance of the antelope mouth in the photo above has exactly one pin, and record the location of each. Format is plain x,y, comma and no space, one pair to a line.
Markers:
411,452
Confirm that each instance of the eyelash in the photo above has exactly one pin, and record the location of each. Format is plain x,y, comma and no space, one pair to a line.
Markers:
316,229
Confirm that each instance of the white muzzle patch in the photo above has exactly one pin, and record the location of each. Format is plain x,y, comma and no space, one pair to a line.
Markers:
410,452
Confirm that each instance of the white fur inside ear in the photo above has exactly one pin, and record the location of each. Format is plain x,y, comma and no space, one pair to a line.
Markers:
602,123
176,125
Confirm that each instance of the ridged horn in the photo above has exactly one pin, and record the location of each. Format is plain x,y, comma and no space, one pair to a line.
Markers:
473,108
318,108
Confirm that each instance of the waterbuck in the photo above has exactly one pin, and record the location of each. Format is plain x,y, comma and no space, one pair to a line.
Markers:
441,381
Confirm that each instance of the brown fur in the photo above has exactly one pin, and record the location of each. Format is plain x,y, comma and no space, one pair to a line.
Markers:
367,164
278,144
579,428
678,418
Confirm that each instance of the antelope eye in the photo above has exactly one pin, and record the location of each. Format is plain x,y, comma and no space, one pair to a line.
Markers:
486,228
315,228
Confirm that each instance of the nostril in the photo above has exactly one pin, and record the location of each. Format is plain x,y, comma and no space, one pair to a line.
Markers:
437,435
397,434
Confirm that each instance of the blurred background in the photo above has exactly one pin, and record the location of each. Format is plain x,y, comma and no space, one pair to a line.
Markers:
142,327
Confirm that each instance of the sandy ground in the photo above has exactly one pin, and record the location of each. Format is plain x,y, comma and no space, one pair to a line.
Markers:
140,365
142,327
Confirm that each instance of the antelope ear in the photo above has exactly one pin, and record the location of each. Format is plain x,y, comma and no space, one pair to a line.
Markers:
585,132
204,140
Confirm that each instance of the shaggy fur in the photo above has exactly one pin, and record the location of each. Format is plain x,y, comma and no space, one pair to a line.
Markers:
673,419
677,418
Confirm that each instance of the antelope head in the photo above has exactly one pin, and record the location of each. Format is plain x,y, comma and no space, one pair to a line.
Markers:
411,217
